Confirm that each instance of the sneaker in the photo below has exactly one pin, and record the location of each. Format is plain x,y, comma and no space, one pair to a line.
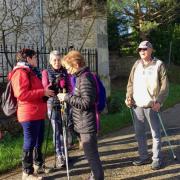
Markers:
42,169
142,162
155,165
61,161
91,177
30,177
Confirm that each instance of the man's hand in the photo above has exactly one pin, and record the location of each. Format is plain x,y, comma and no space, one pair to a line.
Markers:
129,102
61,96
156,106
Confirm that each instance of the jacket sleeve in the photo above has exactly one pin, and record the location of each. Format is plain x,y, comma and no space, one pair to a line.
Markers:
45,80
22,87
129,93
87,89
164,84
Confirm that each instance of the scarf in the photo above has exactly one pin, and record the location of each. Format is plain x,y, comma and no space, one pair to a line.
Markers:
61,73
36,70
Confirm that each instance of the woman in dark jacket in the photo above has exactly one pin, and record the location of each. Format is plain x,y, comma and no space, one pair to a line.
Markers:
83,109
31,112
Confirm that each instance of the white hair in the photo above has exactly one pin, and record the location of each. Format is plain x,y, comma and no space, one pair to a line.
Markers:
53,53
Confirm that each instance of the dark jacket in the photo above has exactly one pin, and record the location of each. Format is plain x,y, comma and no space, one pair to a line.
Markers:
83,102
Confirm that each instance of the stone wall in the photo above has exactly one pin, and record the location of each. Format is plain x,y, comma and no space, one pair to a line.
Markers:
120,66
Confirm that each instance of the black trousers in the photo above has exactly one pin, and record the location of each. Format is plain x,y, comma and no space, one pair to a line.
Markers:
89,142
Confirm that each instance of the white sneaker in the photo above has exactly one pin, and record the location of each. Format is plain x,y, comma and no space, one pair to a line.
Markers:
61,161
30,177
42,169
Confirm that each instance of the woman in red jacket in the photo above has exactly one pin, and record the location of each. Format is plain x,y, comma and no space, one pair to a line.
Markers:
31,112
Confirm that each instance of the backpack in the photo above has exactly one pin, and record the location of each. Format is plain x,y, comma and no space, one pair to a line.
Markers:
8,100
101,93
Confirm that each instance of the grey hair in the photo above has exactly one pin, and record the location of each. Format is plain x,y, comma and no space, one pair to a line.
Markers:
54,53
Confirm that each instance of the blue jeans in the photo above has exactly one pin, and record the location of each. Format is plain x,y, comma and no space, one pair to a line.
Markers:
33,134
140,115
56,122
33,138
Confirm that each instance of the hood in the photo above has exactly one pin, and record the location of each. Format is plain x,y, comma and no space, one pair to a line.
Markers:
10,74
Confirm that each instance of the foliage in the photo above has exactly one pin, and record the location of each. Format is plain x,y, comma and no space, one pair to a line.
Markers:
113,34
115,102
161,39
145,15
141,17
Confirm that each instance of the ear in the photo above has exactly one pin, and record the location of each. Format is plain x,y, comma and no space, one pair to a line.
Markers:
77,66
28,59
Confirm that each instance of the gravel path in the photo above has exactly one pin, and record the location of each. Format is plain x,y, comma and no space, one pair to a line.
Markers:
117,151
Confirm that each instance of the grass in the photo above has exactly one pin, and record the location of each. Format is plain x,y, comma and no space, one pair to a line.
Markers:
119,116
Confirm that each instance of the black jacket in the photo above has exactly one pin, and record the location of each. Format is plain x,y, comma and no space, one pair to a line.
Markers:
83,102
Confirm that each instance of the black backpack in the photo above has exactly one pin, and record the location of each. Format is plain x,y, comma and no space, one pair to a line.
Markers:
8,100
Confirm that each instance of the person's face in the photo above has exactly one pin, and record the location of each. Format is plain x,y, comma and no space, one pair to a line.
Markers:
32,61
145,53
55,62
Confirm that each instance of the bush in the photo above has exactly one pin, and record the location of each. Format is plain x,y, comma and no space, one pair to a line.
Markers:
115,102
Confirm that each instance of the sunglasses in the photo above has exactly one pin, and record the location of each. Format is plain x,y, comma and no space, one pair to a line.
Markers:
142,49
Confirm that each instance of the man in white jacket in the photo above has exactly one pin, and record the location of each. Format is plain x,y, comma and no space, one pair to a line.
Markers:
146,91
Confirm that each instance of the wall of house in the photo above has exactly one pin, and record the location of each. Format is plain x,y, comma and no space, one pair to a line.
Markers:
86,28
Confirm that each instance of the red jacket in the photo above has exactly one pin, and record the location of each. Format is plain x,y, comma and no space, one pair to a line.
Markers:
29,91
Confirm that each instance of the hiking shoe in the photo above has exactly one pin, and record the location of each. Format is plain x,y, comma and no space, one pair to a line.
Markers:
142,162
30,177
91,177
42,169
155,165
61,162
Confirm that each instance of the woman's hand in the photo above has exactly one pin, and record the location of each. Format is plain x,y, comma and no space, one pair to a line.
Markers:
48,92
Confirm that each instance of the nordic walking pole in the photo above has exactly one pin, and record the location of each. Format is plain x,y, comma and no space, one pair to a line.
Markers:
132,115
161,122
46,144
64,125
